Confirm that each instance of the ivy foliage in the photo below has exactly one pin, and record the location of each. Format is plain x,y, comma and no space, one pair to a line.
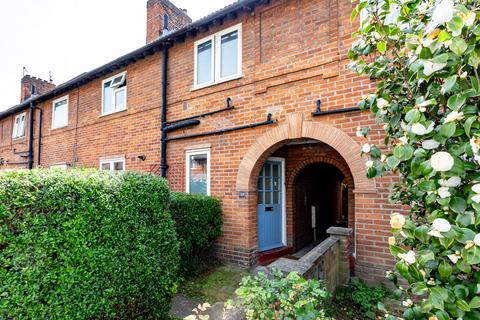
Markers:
198,223
425,61
85,245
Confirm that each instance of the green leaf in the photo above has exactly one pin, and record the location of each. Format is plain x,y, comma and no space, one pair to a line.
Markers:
455,26
438,296
445,269
472,255
382,46
449,83
458,205
468,125
474,58
458,46
448,129
456,101
462,305
475,303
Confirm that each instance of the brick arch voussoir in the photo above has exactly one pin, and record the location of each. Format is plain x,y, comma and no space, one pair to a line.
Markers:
323,159
296,128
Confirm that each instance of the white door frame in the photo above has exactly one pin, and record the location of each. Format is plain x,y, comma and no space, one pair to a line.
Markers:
284,199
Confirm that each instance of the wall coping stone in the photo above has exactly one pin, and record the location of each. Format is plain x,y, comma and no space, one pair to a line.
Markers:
339,231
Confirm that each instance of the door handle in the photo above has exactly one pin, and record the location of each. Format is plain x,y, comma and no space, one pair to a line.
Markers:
268,208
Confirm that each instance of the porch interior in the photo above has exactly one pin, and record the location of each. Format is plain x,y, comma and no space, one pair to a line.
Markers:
318,196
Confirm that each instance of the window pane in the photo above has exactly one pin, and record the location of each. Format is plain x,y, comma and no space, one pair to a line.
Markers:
229,54
60,118
118,166
204,62
120,99
268,184
260,183
107,98
275,197
260,198
198,174
268,197
106,166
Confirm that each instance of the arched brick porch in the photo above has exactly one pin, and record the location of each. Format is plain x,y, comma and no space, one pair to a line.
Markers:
294,128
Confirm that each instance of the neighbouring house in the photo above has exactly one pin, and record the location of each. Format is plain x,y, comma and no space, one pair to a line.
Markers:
253,104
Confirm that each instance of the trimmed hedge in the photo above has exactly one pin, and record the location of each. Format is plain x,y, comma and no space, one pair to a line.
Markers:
199,222
85,245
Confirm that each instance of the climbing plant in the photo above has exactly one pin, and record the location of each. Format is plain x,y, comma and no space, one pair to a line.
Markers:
424,55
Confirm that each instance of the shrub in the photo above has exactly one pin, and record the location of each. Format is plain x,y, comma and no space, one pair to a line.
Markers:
85,245
282,297
368,300
426,63
199,222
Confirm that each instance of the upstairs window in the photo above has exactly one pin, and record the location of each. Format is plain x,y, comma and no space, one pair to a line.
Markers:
113,164
19,126
60,113
218,58
198,172
114,94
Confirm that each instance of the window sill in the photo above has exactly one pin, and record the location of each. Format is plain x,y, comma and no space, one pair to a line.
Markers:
18,138
113,112
58,128
203,86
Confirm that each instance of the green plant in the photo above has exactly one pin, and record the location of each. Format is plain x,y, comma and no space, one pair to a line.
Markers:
282,297
85,245
198,223
426,64
368,299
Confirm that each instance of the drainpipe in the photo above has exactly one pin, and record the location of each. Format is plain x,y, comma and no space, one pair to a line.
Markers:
163,147
39,147
30,139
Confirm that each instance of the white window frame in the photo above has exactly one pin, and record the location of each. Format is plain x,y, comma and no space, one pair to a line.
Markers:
53,111
16,127
189,153
111,161
216,57
115,89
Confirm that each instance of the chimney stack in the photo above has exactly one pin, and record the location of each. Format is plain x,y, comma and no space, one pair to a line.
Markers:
163,17
34,86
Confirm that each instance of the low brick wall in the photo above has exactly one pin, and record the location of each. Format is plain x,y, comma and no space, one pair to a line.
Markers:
328,261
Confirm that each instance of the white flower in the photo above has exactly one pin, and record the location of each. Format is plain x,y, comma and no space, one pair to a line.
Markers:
408,258
366,148
441,225
431,282
435,233
382,103
453,257
476,198
359,43
397,221
476,188
441,161
451,182
468,19
407,303
475,144
443,12
419,129
430,144
477,239
423,7
403,140
431,67
464,75
369,163
359,132
443,192
405,127
453,116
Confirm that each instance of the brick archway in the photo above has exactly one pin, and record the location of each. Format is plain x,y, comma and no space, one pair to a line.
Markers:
296,127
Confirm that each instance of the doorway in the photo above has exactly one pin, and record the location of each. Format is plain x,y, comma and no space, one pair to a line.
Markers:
321,201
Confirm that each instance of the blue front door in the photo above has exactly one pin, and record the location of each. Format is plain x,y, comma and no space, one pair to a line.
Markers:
270,224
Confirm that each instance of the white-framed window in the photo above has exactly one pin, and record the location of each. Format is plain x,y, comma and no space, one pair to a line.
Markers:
62,166
113,164
114,94
198,171
218,57
60,112
19,125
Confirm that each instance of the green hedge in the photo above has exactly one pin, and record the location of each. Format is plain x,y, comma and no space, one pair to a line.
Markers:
199,223
85,245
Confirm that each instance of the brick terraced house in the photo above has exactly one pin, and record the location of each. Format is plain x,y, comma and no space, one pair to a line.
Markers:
253,104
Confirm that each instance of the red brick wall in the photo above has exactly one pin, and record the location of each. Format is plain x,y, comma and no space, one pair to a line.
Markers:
294,52
41,86
177,18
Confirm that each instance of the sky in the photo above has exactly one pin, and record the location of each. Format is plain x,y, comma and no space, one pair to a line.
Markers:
69,37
